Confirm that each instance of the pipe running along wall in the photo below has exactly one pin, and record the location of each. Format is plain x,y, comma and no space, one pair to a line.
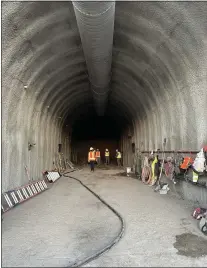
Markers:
96,26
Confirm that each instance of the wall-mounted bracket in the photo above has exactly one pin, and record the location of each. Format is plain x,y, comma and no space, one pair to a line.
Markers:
30,145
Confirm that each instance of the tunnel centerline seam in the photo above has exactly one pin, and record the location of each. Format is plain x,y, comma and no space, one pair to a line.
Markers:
103,93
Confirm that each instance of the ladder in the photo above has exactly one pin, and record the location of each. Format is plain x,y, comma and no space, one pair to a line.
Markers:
15,197
52,176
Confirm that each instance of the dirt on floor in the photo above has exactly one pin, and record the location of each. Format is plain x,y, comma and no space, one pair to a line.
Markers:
124,174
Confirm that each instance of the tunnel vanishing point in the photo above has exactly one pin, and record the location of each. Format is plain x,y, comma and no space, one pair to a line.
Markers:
72,72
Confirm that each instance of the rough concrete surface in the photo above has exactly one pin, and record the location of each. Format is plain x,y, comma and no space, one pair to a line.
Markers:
158,79
67,223
56,228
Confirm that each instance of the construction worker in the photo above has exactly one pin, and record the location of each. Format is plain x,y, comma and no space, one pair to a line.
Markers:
94,149
98,157
118,157
91,158
107,156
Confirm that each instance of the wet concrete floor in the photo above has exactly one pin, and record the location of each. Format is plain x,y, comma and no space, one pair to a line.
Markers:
191,245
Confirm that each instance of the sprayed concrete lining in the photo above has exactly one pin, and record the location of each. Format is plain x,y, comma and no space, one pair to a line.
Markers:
158,83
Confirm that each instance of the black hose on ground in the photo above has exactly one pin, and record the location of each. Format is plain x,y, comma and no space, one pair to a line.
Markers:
116,239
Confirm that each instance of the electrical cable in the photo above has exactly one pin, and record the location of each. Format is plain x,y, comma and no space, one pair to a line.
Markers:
116,239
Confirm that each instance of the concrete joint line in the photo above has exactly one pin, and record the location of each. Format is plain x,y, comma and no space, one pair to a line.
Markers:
18,79
101,94
157,50
100,86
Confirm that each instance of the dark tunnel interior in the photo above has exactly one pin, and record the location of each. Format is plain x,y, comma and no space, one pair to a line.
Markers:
95,127
99,132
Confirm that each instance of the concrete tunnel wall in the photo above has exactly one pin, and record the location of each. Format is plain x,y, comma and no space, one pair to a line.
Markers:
159,80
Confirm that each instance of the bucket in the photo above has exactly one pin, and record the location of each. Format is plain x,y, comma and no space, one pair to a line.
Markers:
128,170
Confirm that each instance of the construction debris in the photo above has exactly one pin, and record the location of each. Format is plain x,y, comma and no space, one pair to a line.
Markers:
69,164
162,188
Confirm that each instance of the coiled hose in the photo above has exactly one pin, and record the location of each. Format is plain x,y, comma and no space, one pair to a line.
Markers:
116,239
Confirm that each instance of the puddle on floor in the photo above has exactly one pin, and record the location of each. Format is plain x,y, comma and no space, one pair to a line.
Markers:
191,245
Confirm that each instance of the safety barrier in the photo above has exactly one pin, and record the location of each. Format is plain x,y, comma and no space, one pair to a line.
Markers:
15,197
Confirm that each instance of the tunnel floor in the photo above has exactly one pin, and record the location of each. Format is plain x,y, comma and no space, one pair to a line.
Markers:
67,223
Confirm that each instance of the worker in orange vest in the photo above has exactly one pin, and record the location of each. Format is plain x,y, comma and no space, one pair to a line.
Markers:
98,157
92,158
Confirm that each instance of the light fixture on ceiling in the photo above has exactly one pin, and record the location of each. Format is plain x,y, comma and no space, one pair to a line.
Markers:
25,87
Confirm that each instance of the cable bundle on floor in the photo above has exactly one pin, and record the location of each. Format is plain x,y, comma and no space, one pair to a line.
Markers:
116,239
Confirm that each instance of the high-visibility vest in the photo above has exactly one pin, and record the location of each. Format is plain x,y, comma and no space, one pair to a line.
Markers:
153,167
91,156
98,154
118,155
187,161
195,177
106,153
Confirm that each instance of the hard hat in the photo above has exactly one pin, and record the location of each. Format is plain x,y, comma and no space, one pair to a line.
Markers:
91,148
106,149
116,150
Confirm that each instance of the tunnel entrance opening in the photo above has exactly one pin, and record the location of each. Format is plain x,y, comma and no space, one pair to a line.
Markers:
99,132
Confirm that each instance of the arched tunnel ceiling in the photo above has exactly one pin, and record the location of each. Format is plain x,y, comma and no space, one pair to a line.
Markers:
159,71
151,40
155,53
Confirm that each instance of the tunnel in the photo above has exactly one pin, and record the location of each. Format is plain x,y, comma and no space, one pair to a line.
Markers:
157,83
117,75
